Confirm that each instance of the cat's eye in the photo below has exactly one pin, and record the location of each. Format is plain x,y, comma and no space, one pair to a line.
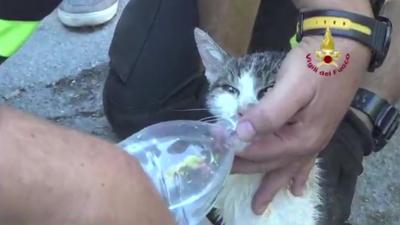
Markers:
262,92
230,89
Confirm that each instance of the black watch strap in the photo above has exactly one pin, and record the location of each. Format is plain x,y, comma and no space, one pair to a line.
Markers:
374,33
384,116
377,6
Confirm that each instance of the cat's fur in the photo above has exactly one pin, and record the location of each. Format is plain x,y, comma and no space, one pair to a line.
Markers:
236,84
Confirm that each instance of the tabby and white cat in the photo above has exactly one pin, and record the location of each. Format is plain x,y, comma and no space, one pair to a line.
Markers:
235,85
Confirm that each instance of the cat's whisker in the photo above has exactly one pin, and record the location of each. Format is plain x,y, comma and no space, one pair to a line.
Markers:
210,120
275,65
208,117
218,119
189,110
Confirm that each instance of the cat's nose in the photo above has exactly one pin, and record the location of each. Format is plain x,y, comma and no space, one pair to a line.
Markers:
244,109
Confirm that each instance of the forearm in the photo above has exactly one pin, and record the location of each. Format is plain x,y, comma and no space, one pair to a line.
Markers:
229,22
357,6
51,175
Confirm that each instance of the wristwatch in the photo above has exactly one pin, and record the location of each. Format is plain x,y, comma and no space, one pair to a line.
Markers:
374,33
384,116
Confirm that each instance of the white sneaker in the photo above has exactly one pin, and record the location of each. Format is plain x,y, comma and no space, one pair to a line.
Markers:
80,13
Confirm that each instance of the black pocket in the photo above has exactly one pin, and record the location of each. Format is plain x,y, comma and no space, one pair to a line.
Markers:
131,34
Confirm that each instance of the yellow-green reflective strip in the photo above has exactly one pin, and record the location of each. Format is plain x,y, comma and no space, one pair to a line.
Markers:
293,42
13,35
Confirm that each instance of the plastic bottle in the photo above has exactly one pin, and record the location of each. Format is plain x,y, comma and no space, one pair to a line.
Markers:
187,162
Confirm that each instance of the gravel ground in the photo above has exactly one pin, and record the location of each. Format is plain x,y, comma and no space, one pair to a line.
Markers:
62,80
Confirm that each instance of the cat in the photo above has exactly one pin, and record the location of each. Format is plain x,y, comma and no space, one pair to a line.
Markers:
235,85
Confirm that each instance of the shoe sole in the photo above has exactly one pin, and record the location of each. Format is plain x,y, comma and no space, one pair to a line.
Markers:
88,19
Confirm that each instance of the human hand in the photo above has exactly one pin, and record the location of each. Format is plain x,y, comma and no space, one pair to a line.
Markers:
297,118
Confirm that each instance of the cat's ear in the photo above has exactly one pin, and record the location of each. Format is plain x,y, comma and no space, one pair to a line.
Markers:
212,55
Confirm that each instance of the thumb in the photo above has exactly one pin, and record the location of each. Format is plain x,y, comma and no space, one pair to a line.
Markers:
275,109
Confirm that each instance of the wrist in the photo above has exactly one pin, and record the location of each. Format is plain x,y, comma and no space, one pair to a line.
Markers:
357,6
373,33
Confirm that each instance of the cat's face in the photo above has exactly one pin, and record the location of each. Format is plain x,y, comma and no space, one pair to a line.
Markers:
236,84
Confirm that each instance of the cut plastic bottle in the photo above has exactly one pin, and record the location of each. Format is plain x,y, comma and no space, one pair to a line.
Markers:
187,161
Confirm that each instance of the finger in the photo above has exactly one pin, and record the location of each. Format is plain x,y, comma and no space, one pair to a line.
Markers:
300,180
275,108
245,166
269,187
267,148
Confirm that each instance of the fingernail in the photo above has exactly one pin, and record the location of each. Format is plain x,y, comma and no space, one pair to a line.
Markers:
245,131
298,192
261,209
